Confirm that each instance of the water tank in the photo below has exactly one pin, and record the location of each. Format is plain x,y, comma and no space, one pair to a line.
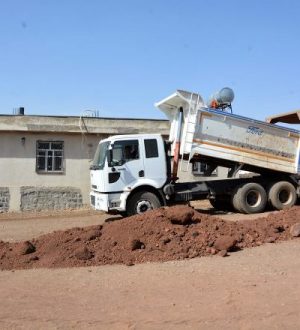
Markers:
222,98
225,96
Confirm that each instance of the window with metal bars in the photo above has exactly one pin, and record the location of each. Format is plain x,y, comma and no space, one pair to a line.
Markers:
49,156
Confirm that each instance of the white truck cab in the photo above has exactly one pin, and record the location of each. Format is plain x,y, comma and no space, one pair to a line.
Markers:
128,173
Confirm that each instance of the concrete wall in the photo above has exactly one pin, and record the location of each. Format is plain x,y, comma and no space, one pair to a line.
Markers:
18,167
4,199
45,198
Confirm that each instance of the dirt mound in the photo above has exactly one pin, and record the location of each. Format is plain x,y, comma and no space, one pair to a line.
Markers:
165,234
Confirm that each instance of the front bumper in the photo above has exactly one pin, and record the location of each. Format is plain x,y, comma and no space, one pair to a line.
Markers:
99,201
108,202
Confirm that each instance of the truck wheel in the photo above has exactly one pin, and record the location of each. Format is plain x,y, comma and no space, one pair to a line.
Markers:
141,202
236,201
250,198
282,195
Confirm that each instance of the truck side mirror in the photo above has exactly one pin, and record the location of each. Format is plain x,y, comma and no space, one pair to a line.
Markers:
115,156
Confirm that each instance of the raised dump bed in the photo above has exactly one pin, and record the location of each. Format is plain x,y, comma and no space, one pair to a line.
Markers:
224,136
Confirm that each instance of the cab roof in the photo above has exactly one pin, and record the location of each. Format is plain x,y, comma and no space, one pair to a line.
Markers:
131,136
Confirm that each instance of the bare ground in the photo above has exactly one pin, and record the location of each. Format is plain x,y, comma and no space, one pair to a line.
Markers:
256,288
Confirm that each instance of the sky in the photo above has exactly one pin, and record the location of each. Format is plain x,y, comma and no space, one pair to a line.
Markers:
63,57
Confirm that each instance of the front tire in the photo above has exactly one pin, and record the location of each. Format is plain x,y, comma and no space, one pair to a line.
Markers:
282,195
141,202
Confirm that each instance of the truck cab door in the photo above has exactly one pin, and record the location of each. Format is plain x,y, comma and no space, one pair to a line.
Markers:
155,161
126,165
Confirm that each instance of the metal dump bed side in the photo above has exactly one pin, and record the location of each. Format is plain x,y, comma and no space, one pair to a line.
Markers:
243,140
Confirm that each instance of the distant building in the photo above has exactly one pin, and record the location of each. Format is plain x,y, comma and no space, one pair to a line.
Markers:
44,160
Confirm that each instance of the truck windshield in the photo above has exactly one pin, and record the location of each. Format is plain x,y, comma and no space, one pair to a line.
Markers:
100,156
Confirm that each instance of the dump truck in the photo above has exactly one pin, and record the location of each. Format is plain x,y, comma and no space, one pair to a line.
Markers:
132,174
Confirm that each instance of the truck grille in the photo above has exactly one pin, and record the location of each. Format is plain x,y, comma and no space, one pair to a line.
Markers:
93,200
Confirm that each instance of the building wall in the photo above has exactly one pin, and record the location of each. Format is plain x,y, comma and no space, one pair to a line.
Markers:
19,181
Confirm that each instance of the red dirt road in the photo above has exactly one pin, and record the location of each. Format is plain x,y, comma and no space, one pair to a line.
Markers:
256,288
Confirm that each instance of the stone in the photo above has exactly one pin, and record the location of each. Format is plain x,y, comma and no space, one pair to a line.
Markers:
25,248
184,215
222,253
225,243
295,230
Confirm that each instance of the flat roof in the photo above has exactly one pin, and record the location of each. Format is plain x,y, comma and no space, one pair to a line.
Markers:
87,125
93,117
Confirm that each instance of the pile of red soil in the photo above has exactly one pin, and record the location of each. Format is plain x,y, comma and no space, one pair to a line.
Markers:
173,233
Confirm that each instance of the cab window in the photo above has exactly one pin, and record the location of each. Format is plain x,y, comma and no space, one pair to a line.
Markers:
125,151
151,148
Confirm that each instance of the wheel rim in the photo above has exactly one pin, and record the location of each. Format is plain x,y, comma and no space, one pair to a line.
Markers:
284,196
143,206
253,198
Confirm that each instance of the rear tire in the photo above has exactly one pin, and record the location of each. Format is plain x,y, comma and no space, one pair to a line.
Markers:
236,201
282,195
142,201
250,198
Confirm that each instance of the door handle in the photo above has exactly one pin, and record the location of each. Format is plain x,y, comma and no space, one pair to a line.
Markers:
121,169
